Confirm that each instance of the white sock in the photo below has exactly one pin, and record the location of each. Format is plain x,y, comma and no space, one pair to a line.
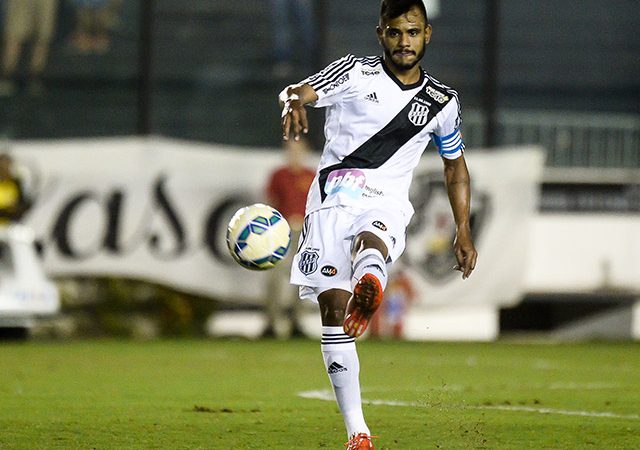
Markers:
370,260
341,361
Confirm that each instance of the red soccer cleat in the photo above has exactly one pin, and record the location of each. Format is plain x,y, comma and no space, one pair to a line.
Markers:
360,441
366,298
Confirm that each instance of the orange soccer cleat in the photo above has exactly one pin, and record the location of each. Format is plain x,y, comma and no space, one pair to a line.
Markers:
360,441
366,298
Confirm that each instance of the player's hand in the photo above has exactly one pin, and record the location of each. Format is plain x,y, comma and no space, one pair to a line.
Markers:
294,115
465,252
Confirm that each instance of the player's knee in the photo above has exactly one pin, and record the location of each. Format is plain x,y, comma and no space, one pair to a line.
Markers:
332,317
333,304
367,239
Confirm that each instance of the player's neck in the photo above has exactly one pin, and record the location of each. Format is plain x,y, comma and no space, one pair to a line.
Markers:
406,77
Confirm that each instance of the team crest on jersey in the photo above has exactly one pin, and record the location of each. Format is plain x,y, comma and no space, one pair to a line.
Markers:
418,114
347,181
437,95
308,262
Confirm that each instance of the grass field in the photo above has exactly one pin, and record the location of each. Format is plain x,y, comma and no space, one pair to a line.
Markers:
224,394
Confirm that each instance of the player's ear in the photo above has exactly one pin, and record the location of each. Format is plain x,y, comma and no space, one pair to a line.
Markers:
427,34
379,34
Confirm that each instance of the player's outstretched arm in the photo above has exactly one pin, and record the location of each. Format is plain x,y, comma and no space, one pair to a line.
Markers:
456,176
292,100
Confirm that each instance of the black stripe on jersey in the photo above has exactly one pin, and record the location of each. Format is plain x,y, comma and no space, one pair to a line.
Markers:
327,71
370,61
332,74
380,147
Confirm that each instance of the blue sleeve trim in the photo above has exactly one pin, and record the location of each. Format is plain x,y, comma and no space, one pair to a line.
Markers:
449,144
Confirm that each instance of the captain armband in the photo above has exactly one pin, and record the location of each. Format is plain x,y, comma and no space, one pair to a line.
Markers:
449,145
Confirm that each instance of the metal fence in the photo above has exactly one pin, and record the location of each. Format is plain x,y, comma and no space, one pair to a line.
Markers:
597,140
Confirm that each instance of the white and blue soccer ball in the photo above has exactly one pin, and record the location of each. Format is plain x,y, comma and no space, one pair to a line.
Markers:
258,236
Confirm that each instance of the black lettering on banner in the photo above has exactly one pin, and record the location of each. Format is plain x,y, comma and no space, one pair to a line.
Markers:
113,234
60,234
175,226
114,207
111,240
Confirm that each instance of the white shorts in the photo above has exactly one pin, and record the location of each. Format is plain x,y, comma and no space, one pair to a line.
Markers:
323,258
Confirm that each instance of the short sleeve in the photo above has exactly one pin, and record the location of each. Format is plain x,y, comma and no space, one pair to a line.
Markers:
333,82
447,135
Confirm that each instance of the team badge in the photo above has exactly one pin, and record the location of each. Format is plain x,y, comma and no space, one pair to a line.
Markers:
418,114
308,262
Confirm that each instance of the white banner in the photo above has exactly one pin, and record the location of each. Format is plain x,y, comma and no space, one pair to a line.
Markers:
505,189
157,209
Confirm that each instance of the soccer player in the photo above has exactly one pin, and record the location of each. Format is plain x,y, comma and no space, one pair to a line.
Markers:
381,112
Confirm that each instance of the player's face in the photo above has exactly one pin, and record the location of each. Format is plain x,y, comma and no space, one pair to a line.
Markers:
404,39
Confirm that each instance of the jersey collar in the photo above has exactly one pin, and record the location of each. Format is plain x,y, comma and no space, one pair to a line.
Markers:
401,85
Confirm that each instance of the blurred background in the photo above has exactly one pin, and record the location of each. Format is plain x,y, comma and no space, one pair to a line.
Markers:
560,79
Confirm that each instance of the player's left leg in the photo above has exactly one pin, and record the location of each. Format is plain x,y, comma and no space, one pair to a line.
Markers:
370,275
323,268
341,360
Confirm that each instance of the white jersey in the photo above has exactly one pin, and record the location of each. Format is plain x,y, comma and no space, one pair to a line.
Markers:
376,129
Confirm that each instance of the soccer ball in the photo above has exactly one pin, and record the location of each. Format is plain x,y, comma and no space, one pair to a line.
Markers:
258,236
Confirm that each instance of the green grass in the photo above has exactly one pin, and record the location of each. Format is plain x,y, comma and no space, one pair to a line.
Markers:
220,394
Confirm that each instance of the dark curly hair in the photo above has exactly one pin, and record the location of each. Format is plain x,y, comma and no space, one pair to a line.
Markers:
390,9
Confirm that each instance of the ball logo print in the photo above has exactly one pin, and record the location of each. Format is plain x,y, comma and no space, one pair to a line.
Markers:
258,236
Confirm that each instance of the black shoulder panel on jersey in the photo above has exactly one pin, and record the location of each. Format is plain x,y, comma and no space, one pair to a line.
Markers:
380,147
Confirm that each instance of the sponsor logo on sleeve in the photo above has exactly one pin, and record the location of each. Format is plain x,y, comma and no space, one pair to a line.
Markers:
437,95
343,79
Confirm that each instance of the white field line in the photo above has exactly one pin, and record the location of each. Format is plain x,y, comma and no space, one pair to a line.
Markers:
327,395
562,412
